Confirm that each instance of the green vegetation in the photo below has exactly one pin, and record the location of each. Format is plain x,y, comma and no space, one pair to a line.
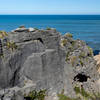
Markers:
69,35
36,28
67,56
71,48
86,95
41,31
64,42
64,97
77,89
73,43
82,55
81,91
22,26
1,55
3,34
90,51
81,63
48,28
36,95
96,96
11,45
73,59
81,95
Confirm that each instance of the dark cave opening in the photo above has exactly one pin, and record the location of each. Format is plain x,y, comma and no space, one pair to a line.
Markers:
27,98
81,78
40,40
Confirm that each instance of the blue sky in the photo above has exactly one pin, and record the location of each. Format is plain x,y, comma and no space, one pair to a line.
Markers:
49,6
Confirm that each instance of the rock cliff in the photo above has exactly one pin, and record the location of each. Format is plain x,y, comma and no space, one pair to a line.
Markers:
32,59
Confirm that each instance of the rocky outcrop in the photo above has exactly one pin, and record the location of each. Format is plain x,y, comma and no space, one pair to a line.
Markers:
80,56
43,59
97,58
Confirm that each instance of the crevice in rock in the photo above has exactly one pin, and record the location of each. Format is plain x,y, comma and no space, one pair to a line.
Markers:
2,97
27,98
15,77
27,40
1,48
81,77
40,40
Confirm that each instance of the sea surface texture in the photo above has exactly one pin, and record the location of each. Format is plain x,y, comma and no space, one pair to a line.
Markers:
84,27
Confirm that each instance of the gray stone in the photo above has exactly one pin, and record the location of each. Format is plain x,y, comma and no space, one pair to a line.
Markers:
21,30
41,62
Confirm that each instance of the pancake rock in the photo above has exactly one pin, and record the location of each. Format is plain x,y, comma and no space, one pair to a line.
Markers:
44,59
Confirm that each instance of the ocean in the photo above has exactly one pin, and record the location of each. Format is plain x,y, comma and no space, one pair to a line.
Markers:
84,27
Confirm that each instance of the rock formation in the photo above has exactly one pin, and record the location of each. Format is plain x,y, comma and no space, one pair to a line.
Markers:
44,59
97,58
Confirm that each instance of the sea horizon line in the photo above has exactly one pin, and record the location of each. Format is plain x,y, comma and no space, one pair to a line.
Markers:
52,14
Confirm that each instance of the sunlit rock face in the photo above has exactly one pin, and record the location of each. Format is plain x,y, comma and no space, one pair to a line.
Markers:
44,59
97,58
38,57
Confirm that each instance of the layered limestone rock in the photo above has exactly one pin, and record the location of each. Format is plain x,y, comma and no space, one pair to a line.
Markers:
97,58
43,59
80,56
38,57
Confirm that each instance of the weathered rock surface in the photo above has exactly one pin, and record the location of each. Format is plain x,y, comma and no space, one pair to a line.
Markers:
80,56
44,59
97,58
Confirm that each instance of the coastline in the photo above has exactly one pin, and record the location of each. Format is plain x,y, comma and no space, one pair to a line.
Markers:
34,59
84,28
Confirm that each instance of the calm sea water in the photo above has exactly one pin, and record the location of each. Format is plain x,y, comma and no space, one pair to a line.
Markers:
85,27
